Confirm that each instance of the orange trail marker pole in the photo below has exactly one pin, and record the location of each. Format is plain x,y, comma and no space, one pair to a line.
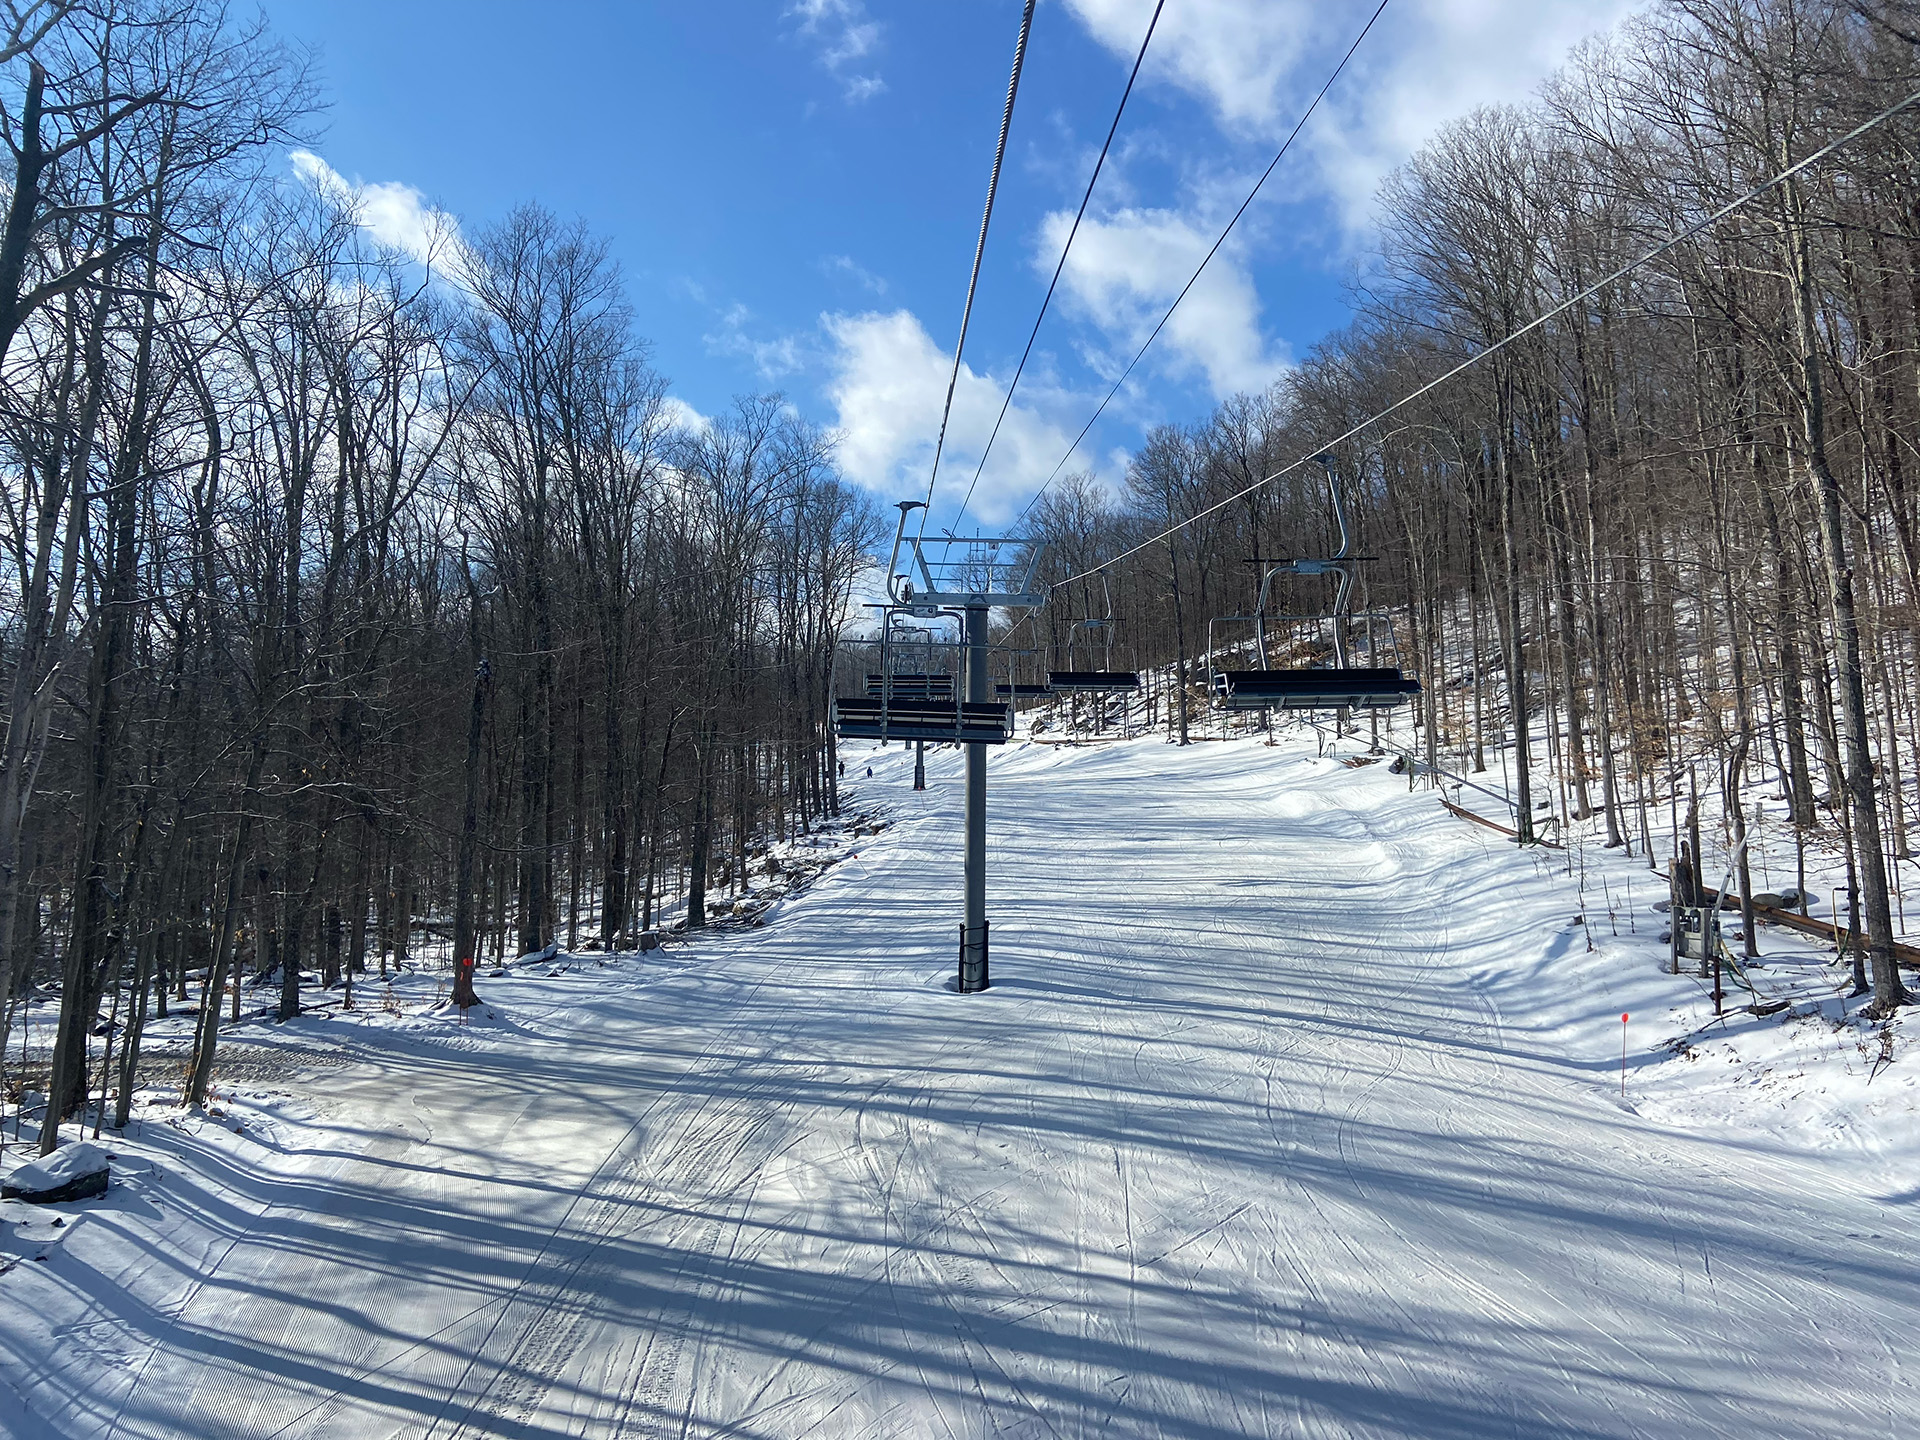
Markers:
1623,1054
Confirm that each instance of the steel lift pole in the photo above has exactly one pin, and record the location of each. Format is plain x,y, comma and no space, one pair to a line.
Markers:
967,576
920,764
973,928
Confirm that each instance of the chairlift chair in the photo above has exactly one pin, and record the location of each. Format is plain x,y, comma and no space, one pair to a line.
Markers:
922,703
908,664
898,680
908,684
1015,689
1342,686
955,722
1098,640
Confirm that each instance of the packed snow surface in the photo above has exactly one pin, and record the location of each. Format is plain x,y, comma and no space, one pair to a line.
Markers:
1295,1110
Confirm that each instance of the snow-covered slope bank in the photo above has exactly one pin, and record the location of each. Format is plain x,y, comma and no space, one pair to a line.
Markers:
1294,1111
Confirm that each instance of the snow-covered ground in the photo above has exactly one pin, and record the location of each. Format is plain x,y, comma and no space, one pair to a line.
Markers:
1295,1109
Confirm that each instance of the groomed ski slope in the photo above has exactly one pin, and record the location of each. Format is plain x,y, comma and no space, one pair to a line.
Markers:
1238,1145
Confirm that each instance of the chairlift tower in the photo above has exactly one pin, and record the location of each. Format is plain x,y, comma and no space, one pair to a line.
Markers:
969,577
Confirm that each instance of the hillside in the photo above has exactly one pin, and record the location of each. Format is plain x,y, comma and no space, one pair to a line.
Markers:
1295,1109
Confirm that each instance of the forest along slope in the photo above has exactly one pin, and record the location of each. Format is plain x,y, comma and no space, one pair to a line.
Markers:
1236,1145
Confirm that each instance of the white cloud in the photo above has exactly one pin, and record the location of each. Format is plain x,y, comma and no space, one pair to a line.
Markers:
852,269
682,416
1123,272
1457,55
773,360
1256,64
888,382
394,213
1239,55
847,35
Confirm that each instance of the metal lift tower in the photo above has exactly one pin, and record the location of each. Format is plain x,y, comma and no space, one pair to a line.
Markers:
969,577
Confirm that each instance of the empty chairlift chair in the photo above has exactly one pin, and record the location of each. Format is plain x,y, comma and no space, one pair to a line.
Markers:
1341,686
910,685
959,722
1101,682
921,703
1354,688
1095,635
1022,690
1014,689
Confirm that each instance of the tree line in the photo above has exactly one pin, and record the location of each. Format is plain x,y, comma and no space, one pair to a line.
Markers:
1669,540
355,601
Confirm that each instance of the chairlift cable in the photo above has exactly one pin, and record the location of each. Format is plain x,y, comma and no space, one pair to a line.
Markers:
1193,279
1677,238
979,249
1061,265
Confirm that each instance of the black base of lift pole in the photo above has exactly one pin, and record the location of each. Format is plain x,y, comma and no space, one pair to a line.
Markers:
973,976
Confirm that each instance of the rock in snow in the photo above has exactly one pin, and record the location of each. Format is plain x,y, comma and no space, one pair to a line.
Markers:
72,1172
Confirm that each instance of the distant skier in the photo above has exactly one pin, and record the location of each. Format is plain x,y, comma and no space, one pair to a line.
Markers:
843,768
869,772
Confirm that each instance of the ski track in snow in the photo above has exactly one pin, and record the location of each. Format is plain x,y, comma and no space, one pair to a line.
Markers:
1235,1146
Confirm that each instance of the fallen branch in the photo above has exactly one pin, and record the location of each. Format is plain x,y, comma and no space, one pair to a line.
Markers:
1466,814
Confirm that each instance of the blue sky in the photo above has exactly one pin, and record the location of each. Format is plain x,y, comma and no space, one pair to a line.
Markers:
793,187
